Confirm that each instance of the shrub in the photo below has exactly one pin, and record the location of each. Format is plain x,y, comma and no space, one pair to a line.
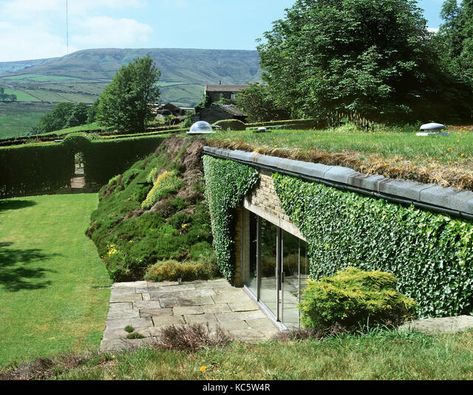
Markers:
192,338
167,183
231,124
49,167
153,175
186,271
354,298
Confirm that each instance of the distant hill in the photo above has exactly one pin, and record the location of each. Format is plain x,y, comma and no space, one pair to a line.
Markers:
82,76
7,67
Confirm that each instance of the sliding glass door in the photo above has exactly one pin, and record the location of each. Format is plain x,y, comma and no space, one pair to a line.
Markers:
269,255
278,270
289,299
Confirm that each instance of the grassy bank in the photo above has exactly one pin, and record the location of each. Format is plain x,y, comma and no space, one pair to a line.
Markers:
376,356
53,285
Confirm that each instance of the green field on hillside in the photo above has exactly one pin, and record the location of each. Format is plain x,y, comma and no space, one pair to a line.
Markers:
53,285
38,78
184,73
17,119
21,95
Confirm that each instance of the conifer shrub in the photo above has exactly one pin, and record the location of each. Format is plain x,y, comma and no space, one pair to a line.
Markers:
355,299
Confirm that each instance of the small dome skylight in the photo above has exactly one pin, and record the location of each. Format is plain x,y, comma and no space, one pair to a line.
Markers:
201,127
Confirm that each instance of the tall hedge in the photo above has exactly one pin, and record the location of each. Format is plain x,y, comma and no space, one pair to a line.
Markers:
105,159
430,254
34,169
226,185
48,167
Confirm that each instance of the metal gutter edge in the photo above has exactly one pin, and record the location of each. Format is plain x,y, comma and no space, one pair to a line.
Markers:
425,196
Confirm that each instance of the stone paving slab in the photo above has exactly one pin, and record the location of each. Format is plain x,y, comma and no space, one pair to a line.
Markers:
440,325
149,307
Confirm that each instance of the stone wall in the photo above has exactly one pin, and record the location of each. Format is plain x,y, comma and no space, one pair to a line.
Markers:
265,197
265,203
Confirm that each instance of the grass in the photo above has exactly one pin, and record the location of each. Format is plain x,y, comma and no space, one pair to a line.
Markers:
53,286
447,161
94,126
380,355
21,95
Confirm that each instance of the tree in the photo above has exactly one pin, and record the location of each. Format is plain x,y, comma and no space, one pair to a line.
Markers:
456,38
78,115
257,103
4,97
56,119
92,112
125,103
64,115
370,57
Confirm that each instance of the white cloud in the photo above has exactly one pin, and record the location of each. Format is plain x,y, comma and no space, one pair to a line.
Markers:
25,9
433,29
31,29
104,31
29,42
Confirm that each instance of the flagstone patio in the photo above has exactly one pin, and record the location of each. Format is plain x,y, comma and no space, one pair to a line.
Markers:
148,307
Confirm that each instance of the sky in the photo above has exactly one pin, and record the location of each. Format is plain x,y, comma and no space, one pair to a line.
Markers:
35,29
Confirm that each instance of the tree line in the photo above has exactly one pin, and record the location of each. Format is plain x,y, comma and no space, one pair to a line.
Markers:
124,105
370,57
376,59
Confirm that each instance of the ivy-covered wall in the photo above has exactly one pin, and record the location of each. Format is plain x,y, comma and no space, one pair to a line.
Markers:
226,185
431,254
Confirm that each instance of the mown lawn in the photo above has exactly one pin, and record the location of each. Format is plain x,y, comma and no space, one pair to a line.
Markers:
380,355
53,286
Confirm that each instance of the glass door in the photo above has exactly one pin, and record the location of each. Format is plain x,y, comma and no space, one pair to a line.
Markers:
268,257
278,270
252,276
290,287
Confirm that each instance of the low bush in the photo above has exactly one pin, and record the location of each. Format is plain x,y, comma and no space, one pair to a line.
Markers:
185,271
192,338
291,124
355,299
167,183
231,124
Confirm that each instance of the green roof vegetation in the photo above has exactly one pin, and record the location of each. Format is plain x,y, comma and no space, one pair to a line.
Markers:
389,151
